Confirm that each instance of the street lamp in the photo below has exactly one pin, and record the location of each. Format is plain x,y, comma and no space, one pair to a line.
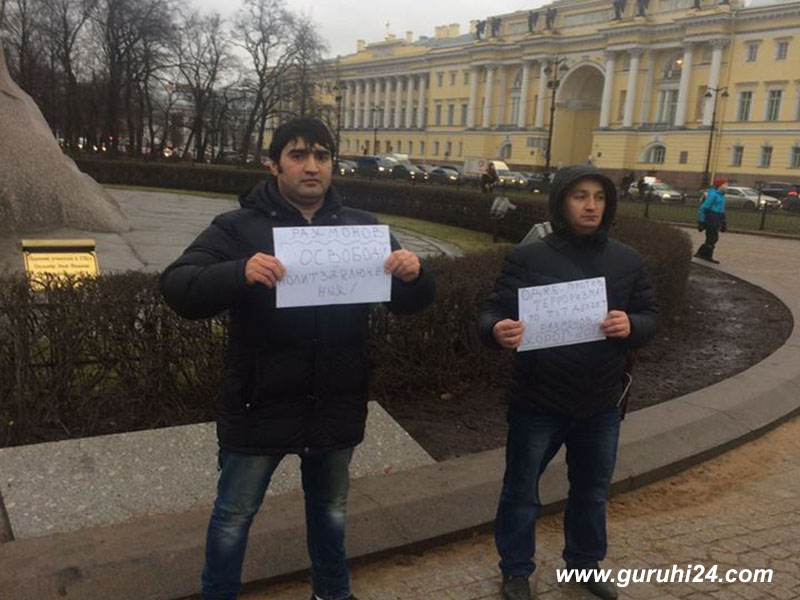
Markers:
715,95
338,91
554,66
377,112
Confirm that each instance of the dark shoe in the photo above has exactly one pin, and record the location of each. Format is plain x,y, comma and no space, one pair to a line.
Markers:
516,588
601,589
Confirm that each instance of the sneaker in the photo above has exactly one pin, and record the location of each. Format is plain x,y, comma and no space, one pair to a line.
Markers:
516,588
601,589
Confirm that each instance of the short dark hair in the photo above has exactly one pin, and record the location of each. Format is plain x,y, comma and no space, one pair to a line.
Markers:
312,130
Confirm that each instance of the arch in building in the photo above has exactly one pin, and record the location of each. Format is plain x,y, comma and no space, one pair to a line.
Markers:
578,100
653,153
504,151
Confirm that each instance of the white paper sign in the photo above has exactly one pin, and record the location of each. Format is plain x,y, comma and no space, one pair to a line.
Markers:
333,265
562,313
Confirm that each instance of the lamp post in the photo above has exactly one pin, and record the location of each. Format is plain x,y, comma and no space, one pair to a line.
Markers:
715,95
337,89
554,66
377,112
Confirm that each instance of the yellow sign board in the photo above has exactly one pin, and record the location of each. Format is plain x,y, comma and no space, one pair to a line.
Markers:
59,257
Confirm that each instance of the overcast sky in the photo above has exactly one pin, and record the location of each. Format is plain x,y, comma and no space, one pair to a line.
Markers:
342,22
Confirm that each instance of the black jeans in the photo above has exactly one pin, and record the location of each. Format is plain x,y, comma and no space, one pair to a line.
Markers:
712,236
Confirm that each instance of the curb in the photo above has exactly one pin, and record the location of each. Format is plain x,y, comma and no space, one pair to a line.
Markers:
160,557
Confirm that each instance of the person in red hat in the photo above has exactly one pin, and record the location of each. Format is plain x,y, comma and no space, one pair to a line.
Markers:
711,219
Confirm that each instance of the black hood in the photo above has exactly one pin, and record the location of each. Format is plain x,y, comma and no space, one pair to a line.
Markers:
563,179
265,197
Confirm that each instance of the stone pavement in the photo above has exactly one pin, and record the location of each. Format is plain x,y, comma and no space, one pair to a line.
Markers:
739,511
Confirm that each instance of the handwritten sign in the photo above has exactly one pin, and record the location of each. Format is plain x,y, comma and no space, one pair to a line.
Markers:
333,265
562,313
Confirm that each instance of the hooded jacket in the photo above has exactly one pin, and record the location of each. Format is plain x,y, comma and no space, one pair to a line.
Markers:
295,379
711,211
580,380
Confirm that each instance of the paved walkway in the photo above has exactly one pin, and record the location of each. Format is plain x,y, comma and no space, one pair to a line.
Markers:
738,511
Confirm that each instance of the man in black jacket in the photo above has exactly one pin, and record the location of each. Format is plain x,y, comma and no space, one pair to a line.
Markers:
295,378
566,394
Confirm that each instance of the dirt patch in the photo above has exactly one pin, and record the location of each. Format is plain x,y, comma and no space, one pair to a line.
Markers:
727,326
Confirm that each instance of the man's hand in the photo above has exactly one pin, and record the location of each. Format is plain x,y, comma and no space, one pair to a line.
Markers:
616,325
263,268
403,264
508,333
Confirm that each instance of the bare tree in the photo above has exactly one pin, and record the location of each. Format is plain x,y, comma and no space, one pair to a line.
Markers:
306,65
265,30
23,32
203,53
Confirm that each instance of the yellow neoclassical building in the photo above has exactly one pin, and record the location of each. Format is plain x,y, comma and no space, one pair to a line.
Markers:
665,86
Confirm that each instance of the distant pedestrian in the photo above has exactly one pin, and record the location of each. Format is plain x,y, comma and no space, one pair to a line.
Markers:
711,219
489,178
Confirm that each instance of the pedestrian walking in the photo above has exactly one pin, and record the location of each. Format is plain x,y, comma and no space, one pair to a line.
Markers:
711,219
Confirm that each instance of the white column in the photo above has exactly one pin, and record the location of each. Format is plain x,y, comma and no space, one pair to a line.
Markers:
421,102
542,94
487,94
608,87
474,75
713,81
357,115
398,100
347,97
502,96
644,113
409,99
523,96
630,96
368,114
387,103
683,91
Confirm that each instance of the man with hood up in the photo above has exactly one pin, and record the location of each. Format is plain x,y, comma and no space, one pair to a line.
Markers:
295,378
566,395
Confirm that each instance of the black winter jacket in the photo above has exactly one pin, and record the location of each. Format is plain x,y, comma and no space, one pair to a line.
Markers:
295,379
579,380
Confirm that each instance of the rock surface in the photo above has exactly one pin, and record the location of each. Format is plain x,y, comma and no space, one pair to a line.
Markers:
40,187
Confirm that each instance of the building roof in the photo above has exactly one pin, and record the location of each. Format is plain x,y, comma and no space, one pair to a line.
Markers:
766,3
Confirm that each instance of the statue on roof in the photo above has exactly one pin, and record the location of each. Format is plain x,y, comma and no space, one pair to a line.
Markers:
550,17
642,4
533,18
480,27
619,8
495,23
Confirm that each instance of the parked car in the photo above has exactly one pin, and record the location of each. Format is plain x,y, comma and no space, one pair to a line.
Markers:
749,198
776,189
346,168
659,191
409,172
446,175
536,182
510,179
375,166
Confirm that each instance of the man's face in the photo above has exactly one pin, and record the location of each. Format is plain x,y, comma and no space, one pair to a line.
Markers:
584,205
303,172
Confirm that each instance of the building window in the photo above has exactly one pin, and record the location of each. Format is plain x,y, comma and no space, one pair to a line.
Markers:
794,158
391,117
781,50
399,146
452,78
766,156
461,148
422,148
410,147
440,79
448,148
438,120
737,154
656,154
451,114
774,105
515,101
752,52
667,106
745,102
466,77
414,117
464,109
672,70
701,102
621,108
402,117
436,148
505,151
684,157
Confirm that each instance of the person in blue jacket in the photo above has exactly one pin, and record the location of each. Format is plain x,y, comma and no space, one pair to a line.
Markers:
711,219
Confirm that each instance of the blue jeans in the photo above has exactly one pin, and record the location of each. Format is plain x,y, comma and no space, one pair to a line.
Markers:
242,484
533,440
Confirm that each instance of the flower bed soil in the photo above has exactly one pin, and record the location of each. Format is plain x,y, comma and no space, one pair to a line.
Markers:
727,326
